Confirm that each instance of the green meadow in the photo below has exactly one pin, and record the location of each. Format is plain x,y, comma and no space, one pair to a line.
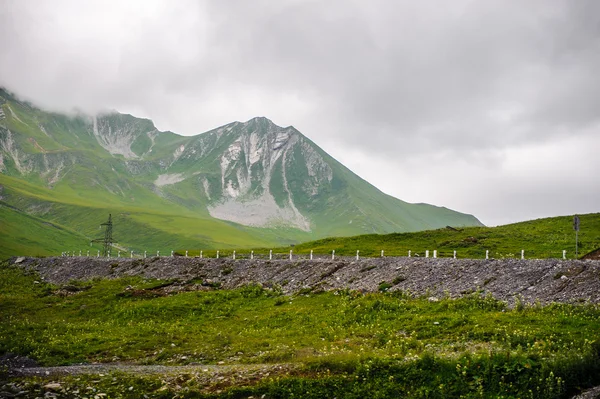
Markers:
541,238
343,343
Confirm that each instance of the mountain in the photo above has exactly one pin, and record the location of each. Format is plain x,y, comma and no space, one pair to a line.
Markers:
242,184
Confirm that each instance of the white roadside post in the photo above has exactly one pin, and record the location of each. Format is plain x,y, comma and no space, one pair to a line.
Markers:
217,254
311,254
270,254
333,254
357,251
427,253
487,253
157,253
522,254
564,254
290,254
186,253
131,254
233,256
382,253
79,252
200,254
409,253
88,253
118,254
251,254
171,254
145,253
454,254
98,254
435,253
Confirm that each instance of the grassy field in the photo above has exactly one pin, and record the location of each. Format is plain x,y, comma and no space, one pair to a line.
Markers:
39,221
346,344
541,238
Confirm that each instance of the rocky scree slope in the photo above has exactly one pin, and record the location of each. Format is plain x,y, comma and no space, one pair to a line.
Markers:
509,280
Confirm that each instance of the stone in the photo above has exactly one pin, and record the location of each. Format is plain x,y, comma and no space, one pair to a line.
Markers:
53,386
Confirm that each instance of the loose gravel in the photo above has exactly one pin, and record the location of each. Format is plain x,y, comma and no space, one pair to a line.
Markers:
528,281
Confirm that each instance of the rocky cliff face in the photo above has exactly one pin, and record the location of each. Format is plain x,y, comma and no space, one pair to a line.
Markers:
256,170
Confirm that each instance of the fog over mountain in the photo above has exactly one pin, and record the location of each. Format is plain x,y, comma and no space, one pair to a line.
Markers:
489,108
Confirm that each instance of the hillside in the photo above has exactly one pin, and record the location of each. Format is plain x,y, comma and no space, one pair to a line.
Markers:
245,184
541,238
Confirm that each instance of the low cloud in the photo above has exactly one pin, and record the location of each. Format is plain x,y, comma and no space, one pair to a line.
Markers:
430,92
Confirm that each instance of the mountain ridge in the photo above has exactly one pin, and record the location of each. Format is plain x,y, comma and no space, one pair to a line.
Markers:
255,178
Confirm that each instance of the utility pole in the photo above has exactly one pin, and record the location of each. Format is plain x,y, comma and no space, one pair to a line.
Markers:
576,228
107,240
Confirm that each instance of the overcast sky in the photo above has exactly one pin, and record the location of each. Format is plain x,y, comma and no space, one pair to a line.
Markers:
486,107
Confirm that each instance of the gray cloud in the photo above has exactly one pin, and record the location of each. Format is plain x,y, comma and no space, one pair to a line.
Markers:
416,88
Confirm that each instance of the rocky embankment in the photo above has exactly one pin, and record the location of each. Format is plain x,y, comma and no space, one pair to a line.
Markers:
547,280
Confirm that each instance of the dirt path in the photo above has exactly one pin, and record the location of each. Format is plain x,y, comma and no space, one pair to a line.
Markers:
107,368
593,393
210,376
56,382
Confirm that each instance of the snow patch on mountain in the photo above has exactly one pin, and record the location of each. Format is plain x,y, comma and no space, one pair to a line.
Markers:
178,151
56,172
43,129
14,115
259,212
8,144
206,186
166,179
152,136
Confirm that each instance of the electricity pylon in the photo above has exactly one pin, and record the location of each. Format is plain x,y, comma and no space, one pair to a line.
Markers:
107,240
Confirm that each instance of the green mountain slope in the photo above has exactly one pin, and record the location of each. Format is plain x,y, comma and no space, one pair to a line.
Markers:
541,238
240,185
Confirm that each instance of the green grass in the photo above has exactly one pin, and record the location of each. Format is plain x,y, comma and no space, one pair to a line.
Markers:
141,225
541,238
347,343
23,234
